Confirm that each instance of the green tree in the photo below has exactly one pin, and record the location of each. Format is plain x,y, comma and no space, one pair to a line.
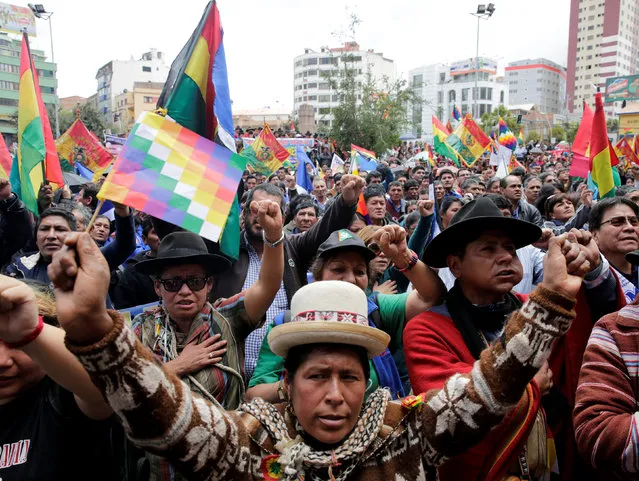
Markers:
558,133
490,121
532,137
612,125
89,116
571,131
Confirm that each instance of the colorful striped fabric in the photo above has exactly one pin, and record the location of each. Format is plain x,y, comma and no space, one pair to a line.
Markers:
77,139
176,175
196,95
506,137
602,156
440,134
5,159
362,159
468,140
457,115
37,155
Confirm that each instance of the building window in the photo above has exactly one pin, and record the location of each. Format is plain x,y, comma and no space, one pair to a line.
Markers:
6,85
442,77
482,93
146,69
312,73
148,100
324,98
312,98
312,85
311,61
451,96
328,61
465,93
418,80
324,110
440,97
489,94
501,97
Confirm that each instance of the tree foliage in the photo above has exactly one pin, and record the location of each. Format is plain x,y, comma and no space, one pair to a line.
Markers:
533,137
490,121
558,133
571,131
372,114
89,116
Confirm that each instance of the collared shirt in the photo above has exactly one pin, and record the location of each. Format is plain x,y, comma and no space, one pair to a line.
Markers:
280,303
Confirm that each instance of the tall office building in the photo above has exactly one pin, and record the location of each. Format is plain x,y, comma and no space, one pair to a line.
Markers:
538,81
603,42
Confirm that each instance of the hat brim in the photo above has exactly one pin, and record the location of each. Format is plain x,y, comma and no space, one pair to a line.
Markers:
291,334
213,263
521,232
365,252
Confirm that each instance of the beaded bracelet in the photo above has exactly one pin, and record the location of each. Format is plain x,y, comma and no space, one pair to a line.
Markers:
411,263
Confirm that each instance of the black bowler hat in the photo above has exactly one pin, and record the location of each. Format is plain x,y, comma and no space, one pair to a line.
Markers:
183,248
471,220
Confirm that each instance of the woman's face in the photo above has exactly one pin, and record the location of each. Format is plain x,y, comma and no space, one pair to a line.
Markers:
348,267
380,263
450,213
327,393
563,210
186,303
439,191
18,372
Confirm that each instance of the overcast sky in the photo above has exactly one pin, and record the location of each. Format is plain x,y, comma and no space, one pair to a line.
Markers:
261,38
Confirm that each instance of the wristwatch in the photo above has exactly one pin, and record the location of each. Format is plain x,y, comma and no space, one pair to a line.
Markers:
272,245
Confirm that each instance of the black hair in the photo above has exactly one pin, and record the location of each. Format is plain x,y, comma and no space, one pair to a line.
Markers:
546,191
373,174
418,167
503,183
445,171
519,172
412,218
297,355
292,206
500,201
410,183
448,202
552,201
395,183
57,211
251,176
91,190
599,209
374,190
147,225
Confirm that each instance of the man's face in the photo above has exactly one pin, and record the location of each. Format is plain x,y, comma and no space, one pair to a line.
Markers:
488,173
251,183
152,240
616,235
489,268
252,224
462,175
476,190
290,181
439,191
281,174
84,201
532,190
338,186
551,179
563,176
376,208
305,218
536,169
419,174
402,180
396,193
425,183
319,189
412,193
447,181
633,196
51,234
512,191
100,230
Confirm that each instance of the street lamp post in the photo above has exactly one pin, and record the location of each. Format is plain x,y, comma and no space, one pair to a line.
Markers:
40,12
484,12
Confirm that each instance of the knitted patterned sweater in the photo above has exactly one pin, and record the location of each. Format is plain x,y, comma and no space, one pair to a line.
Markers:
392,441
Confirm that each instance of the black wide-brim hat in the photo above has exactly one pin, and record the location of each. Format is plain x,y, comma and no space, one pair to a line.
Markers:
469,222
183,248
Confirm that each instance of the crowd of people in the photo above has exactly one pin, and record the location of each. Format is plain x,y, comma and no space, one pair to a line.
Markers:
419,321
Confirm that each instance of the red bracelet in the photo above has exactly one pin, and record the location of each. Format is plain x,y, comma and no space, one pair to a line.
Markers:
411,263
30,337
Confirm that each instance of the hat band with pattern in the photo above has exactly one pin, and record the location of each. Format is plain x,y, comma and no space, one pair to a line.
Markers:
334,316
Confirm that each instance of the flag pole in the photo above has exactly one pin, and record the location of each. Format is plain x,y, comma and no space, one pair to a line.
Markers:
95,215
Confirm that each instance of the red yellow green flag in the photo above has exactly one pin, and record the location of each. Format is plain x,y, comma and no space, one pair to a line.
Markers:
468,140
602,156
37,155
79,143
440,134
266,154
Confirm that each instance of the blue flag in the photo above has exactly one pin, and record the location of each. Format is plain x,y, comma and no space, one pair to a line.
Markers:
365,164
303,179
83,171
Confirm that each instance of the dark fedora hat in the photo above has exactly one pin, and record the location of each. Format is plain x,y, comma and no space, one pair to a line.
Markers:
633,257
183,248
470,221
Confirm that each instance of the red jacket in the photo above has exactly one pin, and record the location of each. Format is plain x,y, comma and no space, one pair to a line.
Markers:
434,351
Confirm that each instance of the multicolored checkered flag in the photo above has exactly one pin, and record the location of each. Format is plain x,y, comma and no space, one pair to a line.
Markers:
174,174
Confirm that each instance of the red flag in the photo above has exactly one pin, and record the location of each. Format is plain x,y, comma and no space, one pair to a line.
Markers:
449,127
624,148
363,210
580,162
5,159
602,155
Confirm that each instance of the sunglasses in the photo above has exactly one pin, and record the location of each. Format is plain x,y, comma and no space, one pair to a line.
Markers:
193,283
621,220
377,250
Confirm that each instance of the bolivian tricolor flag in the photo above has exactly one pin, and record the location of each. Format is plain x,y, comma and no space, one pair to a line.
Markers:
37,155
602,155
440,134
196,95
468,140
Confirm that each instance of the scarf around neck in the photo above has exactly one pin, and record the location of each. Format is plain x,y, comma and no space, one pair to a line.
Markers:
472,320
296,457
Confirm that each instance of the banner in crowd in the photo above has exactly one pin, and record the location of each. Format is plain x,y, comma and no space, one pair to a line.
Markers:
15,19
113,144
468,140
285,142
362,160
440,134
337,165
176,175
265,155
78,144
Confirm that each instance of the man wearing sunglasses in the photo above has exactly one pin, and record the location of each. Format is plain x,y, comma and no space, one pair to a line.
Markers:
615,228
